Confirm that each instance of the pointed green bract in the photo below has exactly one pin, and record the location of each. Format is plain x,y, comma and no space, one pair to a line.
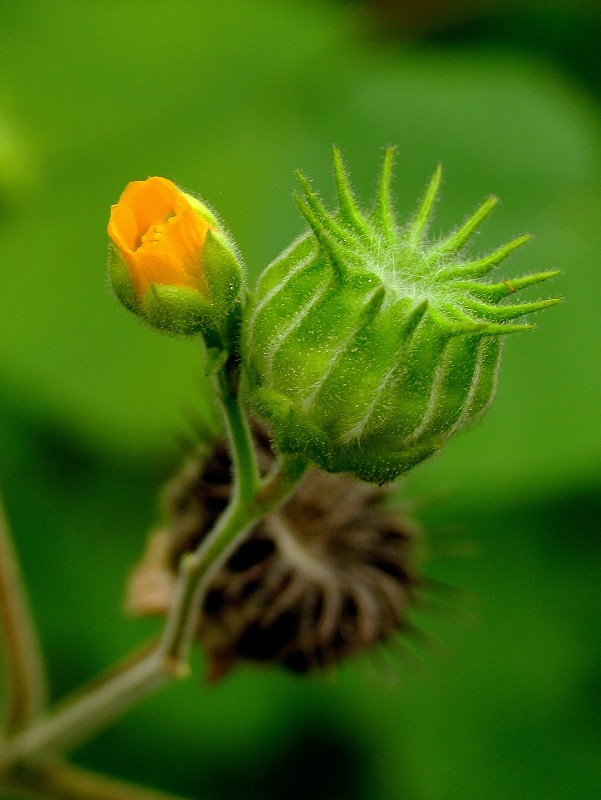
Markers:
420,223
366,346
480,267
330,249
382,217
316,215
459,239
506,312
493,292
348,213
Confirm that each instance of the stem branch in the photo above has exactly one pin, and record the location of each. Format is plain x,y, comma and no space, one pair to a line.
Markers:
88,710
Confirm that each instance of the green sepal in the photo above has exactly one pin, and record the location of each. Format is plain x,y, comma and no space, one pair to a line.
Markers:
413,319
222,270
325,227
177,310
121,282
507,312
202,210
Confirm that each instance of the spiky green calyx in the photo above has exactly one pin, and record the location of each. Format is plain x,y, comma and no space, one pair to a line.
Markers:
367,346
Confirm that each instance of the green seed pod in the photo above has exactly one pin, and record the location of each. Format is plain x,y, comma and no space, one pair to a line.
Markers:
367,346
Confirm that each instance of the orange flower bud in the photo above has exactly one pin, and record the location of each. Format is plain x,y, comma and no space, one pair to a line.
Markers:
159,235
170,261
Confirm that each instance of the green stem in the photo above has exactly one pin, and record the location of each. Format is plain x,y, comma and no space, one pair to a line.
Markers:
25,673
198,568
246,472
87,710
250,500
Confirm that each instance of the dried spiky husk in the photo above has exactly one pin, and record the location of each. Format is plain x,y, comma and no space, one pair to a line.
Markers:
329,573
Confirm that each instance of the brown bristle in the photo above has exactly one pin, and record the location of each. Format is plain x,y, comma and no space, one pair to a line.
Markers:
329,573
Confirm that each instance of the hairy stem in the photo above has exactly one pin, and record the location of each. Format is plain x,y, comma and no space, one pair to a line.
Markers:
250,500
198,568
246,472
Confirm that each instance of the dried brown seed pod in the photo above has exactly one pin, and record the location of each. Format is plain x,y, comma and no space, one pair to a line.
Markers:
330,572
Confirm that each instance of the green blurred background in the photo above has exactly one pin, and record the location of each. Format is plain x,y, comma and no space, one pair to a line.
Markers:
228,100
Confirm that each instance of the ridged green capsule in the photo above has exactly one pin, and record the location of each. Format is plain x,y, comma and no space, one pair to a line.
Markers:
366,345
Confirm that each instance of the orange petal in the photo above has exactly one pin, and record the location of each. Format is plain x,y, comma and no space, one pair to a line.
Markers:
171,254
150,200
122,227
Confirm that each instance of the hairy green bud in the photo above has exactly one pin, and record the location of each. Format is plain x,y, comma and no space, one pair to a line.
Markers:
367,346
